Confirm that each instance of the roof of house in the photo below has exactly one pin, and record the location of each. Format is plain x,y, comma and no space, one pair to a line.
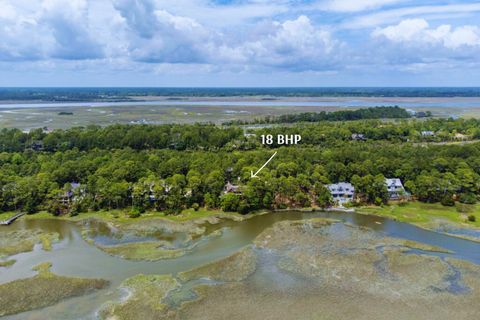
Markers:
75,185
358,136
345,187
394,182
429,133
229,187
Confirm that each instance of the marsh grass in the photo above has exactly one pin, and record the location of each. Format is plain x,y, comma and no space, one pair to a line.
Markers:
44,289
144,299
236,267
14,242
149,251
7,263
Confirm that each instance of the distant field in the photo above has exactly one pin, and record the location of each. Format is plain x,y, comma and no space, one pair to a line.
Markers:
68,116
26,118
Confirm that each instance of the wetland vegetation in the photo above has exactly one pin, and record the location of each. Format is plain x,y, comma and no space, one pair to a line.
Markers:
294,263
259,263
151,209
18,241
43,290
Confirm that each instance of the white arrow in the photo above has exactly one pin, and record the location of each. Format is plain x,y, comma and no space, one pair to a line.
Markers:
255,175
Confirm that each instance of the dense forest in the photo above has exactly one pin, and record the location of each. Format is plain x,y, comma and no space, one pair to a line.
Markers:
211,137
173,167
342,115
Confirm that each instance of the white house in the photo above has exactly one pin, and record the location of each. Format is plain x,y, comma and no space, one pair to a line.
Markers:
395,188
342,192
428,134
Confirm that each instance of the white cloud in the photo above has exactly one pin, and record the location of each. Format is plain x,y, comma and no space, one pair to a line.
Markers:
292,44
356,5
236,13
157,36
173,39
68,25
46,29
418,31
395,15
242,36
7,11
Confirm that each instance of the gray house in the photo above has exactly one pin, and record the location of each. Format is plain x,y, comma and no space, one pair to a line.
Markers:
232,188
342,192
395,188
358,137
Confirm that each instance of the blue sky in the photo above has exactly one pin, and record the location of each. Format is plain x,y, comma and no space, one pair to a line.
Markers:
239,43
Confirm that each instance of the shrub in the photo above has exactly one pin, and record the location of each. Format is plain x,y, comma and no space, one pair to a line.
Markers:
195,206
243,207
472,218
210,201
468,198
135,213
230,202
447,201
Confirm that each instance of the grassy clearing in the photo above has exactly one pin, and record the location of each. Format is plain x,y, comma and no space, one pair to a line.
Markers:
425,213
44,289
7,215
123,216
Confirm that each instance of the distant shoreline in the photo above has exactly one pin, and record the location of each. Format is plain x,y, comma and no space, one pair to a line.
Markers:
259,101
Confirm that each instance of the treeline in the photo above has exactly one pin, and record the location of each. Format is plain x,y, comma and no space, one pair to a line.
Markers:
342,115
138,137
74,181
231,138
109,94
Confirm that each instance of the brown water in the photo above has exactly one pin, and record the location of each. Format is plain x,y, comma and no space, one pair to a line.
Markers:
72,256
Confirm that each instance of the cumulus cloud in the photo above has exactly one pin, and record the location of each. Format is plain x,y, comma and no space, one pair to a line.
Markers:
157,36
414,46
213,36
46,29
68,25
418,32
292,44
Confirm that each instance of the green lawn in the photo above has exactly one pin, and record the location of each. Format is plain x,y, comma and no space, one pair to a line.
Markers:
424,213
412,212
123,215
